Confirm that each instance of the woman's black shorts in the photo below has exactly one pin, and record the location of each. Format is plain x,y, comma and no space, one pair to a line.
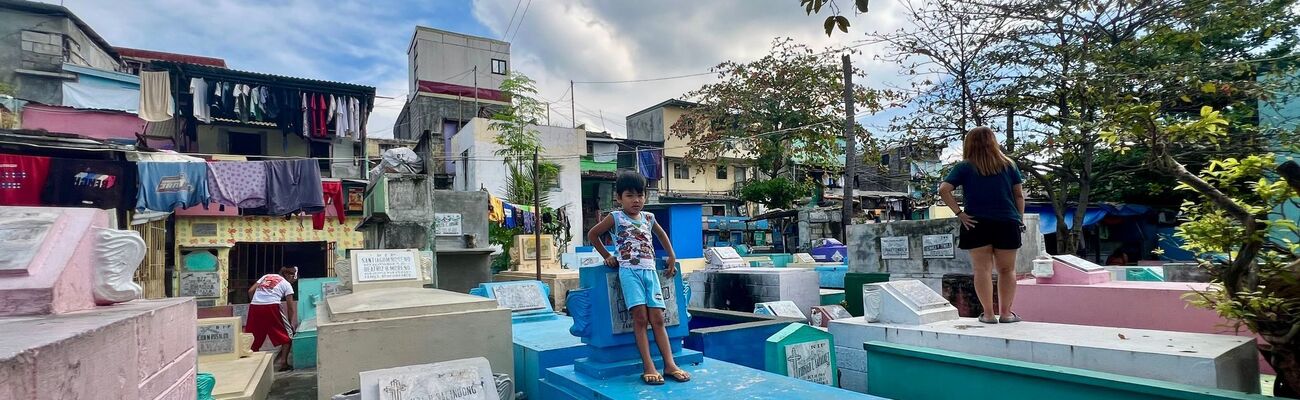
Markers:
1002,235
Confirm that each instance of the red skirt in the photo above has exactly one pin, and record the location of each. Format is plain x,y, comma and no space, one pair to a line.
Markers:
267,321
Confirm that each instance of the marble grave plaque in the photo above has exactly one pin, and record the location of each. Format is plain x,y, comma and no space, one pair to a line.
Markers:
22,234
465,379
937,246
622,317
810,361
520,297
894,248
804,258
385,265
200,284
447,224
217,339
783,308
920,296
1079,263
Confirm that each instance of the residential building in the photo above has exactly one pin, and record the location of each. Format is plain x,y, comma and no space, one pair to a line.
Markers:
41,40
908,169
713,183
452,78
481,168
599,170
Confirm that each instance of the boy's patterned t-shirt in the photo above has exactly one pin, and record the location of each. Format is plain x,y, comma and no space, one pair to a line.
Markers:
632,240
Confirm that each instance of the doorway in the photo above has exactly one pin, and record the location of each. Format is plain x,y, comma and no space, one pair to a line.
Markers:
250,261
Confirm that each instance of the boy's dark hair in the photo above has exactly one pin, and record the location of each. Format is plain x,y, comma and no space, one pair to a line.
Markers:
629,181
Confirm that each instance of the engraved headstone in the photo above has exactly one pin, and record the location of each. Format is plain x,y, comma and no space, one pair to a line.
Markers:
937,246
804,258
723,258
623,318
823,315
21,234
466,379
447,224
218,338
911,302
784,308
1079,263
241,311
200,284
521,297
370,266
803,352
894,248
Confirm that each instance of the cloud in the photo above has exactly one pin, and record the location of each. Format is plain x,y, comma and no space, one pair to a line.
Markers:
616,40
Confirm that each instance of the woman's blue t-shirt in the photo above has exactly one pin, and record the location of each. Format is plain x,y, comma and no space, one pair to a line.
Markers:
987,197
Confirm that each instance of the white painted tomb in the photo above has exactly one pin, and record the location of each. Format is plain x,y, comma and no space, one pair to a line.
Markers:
907,316
720,258
398,323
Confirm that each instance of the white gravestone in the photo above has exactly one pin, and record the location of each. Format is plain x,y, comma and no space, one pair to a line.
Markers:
447,224
1079,263
804,258
894,248
386,266
783,308
810,361
200,284
937,246
520,297
21,235
723,258
823,315
911,302
622,317
466,379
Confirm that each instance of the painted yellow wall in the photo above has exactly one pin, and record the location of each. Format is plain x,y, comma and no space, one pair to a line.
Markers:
675,149
231,230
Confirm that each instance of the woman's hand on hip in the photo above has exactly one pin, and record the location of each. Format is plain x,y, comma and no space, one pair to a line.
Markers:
967,221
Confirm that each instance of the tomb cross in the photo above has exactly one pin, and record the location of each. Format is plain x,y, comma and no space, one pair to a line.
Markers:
396,388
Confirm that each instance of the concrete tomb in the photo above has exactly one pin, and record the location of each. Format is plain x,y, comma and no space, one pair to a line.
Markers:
803,352
391,320
612,368
784,308
733,336
909,302
580,260
1068,269
739,289
71,325
924,249
821,316
467,379
913,314
541,337
720,258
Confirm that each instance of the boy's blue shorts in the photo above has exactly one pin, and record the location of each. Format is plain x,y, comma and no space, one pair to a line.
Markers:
641,287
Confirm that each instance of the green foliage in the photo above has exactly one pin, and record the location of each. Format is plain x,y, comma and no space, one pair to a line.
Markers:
784,107
775,193
835,19
519,142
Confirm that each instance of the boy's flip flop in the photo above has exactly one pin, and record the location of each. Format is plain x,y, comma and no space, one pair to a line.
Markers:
680,376
652,379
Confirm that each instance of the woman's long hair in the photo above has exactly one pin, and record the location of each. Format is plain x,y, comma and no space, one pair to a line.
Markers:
981,150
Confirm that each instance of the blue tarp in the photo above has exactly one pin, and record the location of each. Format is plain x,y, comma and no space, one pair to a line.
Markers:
1047,218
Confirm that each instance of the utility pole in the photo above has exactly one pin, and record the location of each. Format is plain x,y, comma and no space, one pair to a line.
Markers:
1011,126
850,151
475,92
548,114
537,216
573,114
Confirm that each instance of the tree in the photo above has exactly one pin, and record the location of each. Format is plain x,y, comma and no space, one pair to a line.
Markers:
517,135
785,109
835,20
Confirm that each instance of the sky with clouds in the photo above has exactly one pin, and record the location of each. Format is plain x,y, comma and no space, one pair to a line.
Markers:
553,41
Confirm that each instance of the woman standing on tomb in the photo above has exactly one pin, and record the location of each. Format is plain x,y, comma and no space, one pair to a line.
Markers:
992,223
265,317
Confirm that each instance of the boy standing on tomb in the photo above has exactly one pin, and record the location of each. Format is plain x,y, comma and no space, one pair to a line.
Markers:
265,317
637,276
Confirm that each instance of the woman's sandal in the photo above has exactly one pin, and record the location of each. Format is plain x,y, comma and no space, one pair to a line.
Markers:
988,321
652,379
680,376
1008,320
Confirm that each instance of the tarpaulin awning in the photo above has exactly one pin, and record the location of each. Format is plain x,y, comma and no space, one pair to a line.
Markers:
1047,217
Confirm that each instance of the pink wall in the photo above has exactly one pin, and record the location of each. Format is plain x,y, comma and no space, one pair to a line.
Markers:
89,123
1138,305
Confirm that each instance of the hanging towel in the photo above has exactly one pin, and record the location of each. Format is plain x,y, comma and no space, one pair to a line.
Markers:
333,196
649,164
293,186
237,183
156,96
199,88
21,179
164,186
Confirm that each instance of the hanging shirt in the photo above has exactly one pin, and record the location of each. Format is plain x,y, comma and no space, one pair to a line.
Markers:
97,183
509,218
495,212
292,186
333,195
306,116
199,88
164,186
242,97
237,183
21,179
632,238
155,96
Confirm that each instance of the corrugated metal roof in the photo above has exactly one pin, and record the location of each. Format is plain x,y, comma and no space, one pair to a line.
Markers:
204,71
